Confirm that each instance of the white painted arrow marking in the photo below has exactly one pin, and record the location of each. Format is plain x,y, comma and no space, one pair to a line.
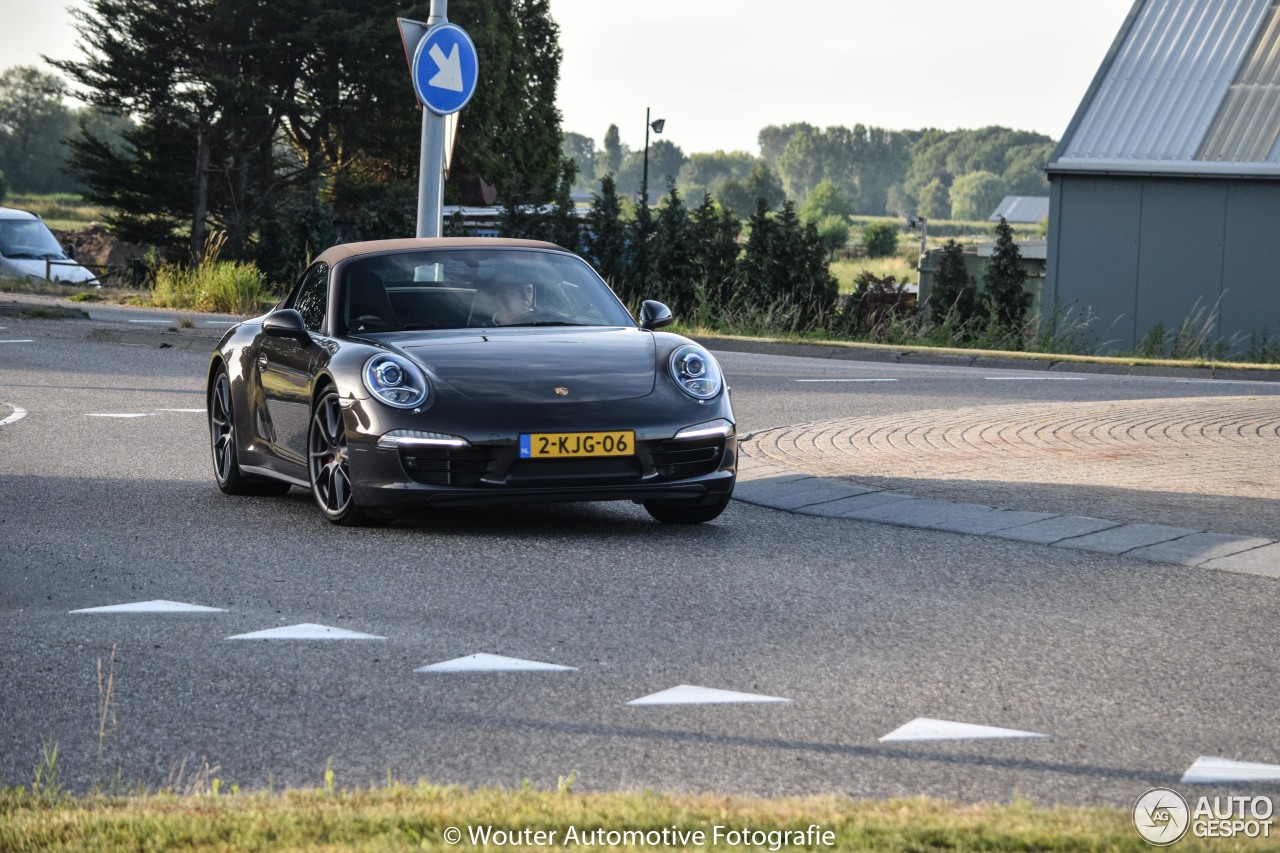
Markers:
483,662
18,414
924,728
159,605
450,74
1209,770
306,631
688,694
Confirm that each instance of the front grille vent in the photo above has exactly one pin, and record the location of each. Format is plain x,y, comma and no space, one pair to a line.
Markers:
447,466
677,460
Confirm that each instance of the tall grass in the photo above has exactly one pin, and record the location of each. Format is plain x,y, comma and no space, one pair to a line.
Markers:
230,287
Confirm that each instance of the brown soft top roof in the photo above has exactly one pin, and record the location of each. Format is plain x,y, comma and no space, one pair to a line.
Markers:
341,252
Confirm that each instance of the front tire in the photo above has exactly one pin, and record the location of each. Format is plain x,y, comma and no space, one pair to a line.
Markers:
688,512
328,460
224,445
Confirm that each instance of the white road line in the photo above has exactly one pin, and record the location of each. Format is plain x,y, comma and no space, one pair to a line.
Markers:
113,415
19,341
1037,378
926,728
202,411
483,662
156,322
688,694
1211,770
159,605
306,631
18,414
846,380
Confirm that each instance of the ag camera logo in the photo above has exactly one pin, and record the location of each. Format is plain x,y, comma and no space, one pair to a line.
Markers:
1161,816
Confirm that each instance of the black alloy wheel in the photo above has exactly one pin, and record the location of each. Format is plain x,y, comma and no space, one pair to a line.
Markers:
222,444
329,464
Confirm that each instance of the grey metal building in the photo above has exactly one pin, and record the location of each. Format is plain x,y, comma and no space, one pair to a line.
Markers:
1165,189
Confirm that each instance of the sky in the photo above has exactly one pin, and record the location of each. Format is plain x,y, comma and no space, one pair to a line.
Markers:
719,70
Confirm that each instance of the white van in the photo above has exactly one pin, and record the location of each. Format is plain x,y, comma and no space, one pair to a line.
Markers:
28,249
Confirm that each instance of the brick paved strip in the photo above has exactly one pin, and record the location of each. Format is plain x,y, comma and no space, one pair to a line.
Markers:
1055,529
1198,548
1125,538
1263,561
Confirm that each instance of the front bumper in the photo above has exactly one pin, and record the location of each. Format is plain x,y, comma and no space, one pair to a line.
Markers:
441,472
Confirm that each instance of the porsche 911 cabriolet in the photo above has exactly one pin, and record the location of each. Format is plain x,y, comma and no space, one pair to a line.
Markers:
400,375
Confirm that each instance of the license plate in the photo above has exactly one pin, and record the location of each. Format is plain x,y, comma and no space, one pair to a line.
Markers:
548,445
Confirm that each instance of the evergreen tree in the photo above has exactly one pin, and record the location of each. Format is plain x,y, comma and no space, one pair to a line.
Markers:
639,281
240,105
955,293
756,265
564,228
1004,285
673,257
714,232
605,237
816,290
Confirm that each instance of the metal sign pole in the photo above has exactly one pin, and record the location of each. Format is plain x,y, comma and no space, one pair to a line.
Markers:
431,163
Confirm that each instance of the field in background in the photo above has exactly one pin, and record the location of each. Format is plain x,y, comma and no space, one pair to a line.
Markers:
60,211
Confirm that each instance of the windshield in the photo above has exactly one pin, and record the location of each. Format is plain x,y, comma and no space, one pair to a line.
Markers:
28,238
475,288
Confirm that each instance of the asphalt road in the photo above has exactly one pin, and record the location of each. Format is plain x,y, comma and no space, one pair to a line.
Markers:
1132,670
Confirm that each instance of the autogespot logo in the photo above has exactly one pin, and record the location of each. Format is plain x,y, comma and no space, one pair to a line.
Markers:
1161,816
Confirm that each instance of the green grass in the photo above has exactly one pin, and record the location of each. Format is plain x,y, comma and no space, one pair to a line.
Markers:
60,211
899,266
397,817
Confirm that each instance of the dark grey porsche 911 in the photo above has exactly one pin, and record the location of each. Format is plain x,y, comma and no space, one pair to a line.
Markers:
404,374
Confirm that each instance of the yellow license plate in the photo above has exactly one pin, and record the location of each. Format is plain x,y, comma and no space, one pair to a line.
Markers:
549,445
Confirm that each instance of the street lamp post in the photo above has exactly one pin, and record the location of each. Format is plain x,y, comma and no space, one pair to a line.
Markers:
657,125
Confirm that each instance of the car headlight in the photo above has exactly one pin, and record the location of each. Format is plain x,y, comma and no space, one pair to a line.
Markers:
696,372
395,380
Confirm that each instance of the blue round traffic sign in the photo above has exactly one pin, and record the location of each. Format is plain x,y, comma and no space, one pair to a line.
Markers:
445,69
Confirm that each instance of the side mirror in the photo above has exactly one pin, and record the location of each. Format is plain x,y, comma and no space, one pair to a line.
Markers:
286,323
655,315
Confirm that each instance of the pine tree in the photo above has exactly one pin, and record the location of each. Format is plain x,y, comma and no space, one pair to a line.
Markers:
639,281
673,261
1004,286
605,237
714,231
954,292
756,265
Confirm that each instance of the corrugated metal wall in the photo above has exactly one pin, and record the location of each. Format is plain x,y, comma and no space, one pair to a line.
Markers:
1137,251
1168,81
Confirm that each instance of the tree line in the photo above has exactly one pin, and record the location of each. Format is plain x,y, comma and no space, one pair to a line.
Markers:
960,174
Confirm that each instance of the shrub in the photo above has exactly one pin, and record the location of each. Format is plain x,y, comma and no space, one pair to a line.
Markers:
231,287
881,239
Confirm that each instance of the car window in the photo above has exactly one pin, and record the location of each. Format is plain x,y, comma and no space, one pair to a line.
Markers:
312,297
475,288
28,238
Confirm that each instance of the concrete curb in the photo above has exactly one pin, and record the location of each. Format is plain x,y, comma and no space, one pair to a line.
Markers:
985,360
779,488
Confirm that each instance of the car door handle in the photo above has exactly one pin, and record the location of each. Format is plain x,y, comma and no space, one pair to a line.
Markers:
262,361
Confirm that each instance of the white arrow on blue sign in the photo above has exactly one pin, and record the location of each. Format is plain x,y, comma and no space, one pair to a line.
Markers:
445,69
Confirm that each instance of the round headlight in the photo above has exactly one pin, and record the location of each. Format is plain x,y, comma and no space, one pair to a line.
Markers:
696,372
395,381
